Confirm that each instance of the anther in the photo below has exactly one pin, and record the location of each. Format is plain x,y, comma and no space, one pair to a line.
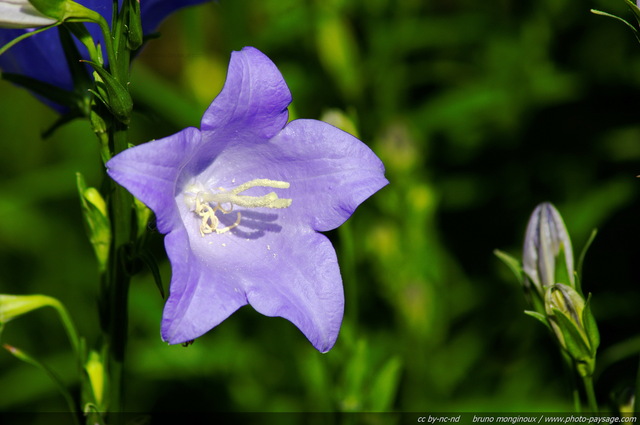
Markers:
207,204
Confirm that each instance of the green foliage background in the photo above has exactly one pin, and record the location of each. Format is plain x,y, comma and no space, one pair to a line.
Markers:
480,110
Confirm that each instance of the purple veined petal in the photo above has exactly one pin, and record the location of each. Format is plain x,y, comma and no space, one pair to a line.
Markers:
282,269
330,171
252,103
151,172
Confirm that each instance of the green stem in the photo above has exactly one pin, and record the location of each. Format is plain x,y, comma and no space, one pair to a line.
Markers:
116,279
572,380
117,276
591,395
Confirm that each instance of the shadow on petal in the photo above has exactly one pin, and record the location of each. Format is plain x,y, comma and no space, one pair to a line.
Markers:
253,225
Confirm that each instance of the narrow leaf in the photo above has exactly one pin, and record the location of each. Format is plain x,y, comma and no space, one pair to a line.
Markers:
49,91
385,386
511,262
25,36
540,317
574,341
13,306
581,258
608,15
590,326
149,260
21,355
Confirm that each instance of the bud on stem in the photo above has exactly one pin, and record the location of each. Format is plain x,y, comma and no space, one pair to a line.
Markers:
547,254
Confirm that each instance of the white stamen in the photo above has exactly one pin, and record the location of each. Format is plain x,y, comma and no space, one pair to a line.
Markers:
207,203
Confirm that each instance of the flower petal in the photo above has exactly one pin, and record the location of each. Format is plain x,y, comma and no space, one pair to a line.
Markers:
253,101
303,285
284,270
200,298
151,173
330,171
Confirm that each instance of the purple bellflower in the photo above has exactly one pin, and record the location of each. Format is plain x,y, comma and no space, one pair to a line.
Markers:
42,57
241,201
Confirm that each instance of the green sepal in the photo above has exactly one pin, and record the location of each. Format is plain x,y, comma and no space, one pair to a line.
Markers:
513,264
590,326
51,8
66,10
96,219
540,317
572,339
114,96
562,273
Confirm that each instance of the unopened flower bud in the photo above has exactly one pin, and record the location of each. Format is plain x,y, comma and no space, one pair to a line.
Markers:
547,254
96,218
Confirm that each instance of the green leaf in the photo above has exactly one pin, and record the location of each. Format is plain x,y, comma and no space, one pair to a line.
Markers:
21,355
385,386
634,9
511,262
590,326
573,340
608,15
25,36
149,260
583,254
49,91
540,317
13,306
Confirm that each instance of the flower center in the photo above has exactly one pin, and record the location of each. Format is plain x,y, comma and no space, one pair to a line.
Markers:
208,203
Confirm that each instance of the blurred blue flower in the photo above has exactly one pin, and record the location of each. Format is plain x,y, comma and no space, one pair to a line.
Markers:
42,57
241,201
